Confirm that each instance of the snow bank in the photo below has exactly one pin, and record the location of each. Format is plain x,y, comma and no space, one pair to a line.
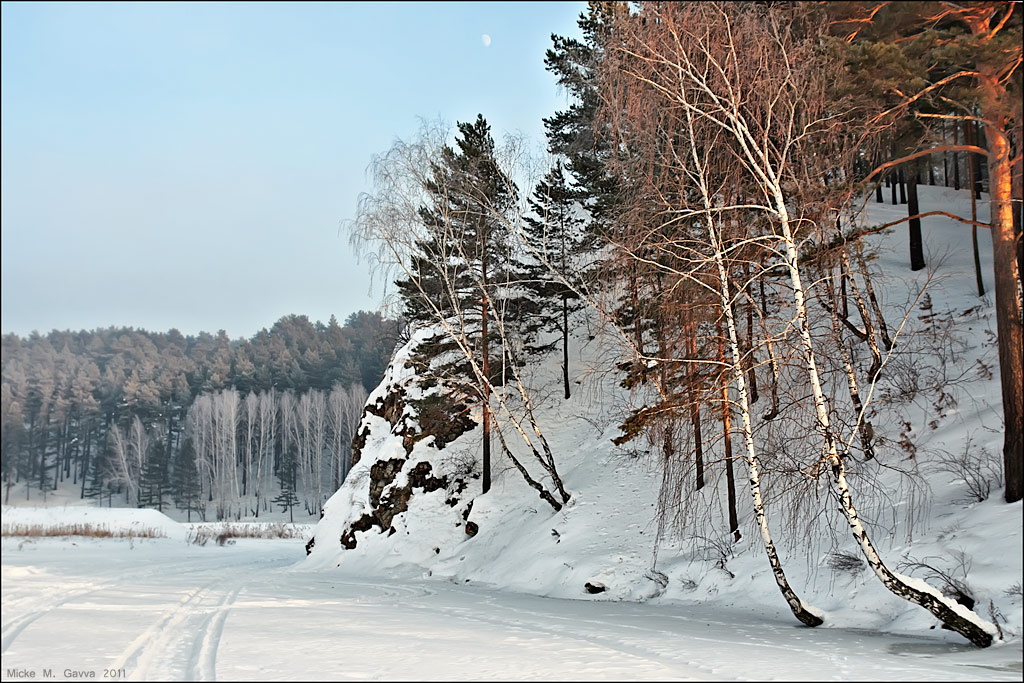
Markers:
120,521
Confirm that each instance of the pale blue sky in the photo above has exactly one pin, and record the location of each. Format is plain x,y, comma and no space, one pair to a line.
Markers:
187,165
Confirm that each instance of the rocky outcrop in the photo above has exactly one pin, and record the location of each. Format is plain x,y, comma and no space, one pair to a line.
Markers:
394,480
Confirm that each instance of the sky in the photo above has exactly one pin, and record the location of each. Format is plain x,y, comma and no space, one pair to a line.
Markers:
189,166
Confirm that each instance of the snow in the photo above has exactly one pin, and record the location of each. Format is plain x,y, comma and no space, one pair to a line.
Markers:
430,602
164,610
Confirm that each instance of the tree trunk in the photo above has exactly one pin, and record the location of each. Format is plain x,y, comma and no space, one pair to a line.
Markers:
844,299
1007,293
773,362
976,166
485,365
974,217
865,316
565,344
691,376
956,158
565,312
869,288
730,477
945,158
805,614
863,426
751,359
916,244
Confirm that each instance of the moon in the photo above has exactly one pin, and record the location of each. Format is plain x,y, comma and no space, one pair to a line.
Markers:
486,40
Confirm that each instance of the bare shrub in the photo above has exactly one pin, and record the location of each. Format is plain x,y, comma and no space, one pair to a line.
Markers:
718,550
843,561
226,532
979,469
997,618
952,579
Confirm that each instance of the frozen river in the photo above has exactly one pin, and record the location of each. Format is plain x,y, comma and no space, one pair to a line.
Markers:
163,610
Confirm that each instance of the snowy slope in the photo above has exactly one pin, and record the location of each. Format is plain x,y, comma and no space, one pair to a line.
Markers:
943,399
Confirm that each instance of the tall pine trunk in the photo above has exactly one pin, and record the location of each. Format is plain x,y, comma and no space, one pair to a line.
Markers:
730,477
485,366
1007,293
956,158
974,217
916,244
691,378
565,344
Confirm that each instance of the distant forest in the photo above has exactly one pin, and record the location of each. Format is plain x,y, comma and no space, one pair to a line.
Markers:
219,428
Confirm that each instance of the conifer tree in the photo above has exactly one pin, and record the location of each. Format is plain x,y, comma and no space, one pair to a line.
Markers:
186,485
557,240
153,483
463,268
286,475
573,132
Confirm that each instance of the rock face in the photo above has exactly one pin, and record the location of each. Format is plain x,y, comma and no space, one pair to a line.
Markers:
398,452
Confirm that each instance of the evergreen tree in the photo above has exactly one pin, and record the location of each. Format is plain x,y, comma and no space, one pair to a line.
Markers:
153,486
286,475
464,267
98,475
572,133
187,488
557,238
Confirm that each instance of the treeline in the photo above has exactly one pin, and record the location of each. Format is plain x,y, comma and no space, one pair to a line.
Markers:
704,201
123,414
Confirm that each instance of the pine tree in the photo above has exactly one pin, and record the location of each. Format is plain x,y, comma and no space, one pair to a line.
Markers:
98,475
555,232
464,268
187,488
286,474
572,133
967,59
153,483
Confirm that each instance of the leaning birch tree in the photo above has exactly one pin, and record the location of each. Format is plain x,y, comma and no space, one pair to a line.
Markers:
766,99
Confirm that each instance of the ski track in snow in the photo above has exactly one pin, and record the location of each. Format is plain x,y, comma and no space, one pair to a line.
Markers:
181,644
187,626
39,608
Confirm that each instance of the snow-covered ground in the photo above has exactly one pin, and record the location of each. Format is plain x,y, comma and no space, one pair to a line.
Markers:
164,610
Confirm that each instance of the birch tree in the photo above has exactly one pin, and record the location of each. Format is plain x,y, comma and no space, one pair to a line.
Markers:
344,410
766,101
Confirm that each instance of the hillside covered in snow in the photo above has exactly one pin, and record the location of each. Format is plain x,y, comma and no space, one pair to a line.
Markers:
635,529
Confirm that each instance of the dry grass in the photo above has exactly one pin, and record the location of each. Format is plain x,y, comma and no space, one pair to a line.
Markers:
225,532
90,530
